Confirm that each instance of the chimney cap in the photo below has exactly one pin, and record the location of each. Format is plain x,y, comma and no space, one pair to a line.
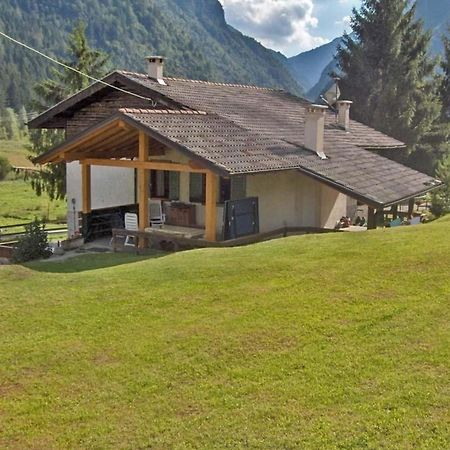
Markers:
154,57
317,109
344,102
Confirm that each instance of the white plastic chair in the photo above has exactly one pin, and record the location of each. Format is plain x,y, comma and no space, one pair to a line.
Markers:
156,216
131,224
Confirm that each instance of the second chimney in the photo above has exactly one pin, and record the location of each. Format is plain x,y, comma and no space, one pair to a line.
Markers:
314,129
156,68
343,108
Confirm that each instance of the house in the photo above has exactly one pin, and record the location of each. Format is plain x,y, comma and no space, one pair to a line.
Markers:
239,159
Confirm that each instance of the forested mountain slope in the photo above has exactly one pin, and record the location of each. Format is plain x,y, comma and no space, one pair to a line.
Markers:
192,34
307,67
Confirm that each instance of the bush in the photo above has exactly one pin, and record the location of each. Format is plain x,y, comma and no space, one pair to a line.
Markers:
33,244
440,199
5,168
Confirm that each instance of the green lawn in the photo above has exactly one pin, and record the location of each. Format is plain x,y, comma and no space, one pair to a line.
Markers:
19,204
336,341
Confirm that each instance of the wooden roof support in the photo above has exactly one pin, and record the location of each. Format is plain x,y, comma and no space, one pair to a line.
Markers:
149,165
371,220
210,207
143,186
411,207
111,141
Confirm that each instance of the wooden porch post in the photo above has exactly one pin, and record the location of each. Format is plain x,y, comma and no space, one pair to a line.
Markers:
143,178
210,206
371,222
86,188
379,217
410,207
394,212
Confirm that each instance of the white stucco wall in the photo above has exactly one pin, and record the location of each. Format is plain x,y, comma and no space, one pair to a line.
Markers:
110,186
333,205
295,200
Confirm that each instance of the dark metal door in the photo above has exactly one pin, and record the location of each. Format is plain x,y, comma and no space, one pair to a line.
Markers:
241,218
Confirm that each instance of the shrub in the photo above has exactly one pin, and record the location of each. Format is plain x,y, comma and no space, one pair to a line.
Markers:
440,199
33,244
5,168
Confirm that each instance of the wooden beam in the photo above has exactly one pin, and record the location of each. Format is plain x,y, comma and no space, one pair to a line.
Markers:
110,141
100,133
371,220
379,218
394,211
410,207
149,165
143,186
210,207
86,187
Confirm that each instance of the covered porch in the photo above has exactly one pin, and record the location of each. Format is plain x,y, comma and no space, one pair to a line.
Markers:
151,161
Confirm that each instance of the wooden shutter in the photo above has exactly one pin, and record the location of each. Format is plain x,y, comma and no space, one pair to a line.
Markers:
238,187
174,185
197,187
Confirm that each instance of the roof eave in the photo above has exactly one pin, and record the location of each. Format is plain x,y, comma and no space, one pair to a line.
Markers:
51,155
370,201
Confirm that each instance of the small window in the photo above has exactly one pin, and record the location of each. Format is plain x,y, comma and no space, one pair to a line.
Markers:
174,185
159,184
224,189
197,187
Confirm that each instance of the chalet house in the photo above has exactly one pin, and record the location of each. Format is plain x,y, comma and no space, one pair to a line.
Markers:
227,159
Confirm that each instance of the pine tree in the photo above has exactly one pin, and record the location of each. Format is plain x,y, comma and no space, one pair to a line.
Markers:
390,77
52,178
445,86
10,123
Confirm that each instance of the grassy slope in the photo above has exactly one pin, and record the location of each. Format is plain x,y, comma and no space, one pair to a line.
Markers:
327,341
16,152
18,202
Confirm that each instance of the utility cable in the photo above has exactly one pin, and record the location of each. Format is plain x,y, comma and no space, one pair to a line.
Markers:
76,70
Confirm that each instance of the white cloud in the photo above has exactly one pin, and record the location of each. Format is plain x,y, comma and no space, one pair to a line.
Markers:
284,25
345,21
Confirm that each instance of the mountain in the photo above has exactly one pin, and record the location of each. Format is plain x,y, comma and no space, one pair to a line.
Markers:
192,34
307,67
312,68
436,16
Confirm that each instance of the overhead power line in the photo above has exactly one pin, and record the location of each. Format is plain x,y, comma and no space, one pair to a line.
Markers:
55,61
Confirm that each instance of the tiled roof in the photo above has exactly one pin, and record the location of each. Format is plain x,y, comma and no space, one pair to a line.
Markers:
237,150
268,111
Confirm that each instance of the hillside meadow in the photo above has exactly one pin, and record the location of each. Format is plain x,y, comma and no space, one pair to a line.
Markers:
336,341
18,202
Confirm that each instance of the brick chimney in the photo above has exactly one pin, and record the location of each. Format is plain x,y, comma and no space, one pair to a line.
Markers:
156,68
343,108
314,129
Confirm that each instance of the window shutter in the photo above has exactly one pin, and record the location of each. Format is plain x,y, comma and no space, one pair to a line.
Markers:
174,185
238,187
196,191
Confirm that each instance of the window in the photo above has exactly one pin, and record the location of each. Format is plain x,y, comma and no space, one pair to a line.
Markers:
164,184
224,189
228,188
197,187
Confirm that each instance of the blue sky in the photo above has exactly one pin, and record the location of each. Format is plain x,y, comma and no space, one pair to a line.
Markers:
290,26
